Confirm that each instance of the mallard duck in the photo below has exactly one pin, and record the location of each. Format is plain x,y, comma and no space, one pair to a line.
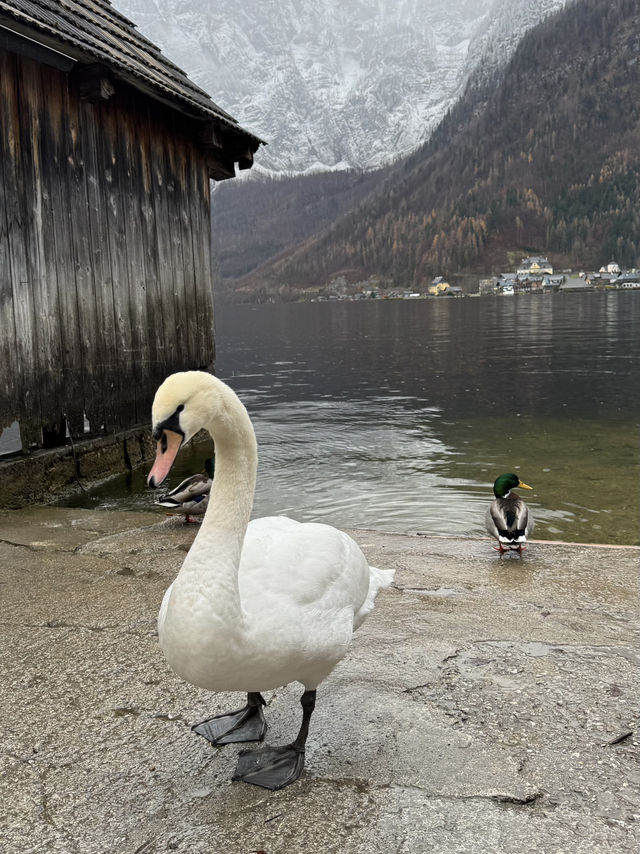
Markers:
191,497
258,604
508,518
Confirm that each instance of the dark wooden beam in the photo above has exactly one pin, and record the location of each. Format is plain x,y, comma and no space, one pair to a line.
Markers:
211,135
94,82
24,46
245,161
220,167
224,142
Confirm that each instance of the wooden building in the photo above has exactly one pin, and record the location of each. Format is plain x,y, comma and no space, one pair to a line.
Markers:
106,154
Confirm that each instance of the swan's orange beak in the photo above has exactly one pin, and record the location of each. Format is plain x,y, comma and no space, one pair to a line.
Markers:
166,452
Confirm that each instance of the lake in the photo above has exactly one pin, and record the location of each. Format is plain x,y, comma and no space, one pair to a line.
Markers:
399,415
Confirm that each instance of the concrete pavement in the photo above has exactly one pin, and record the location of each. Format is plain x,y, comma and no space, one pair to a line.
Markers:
487,705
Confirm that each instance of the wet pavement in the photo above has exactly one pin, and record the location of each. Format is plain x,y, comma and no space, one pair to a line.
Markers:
487,704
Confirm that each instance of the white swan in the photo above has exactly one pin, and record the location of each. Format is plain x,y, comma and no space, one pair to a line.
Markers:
256,604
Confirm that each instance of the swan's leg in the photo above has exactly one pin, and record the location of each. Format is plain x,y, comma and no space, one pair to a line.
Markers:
246,724
276,767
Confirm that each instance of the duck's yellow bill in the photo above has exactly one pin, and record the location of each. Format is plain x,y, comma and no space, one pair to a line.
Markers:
524,485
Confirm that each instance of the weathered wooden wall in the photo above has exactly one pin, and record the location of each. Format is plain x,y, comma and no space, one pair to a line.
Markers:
105,266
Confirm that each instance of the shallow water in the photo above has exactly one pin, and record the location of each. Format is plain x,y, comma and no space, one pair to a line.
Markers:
399,415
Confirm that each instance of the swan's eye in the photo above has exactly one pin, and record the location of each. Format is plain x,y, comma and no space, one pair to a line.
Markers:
180,408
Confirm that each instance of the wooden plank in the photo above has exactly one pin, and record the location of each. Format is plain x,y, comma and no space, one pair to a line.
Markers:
203,277
183,247
63,221
181,355
36,314
101,397
156,329
9,366
131,180
207,268
112,176
89,316
191,245
162,214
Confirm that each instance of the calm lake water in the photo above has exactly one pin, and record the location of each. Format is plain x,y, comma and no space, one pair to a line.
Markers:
399,415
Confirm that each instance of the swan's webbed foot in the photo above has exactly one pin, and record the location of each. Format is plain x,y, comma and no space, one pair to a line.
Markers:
247,724
271,767
275,767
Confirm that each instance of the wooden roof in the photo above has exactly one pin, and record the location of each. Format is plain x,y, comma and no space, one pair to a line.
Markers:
93,31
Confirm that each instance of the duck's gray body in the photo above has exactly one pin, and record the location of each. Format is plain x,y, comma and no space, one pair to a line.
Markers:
509,521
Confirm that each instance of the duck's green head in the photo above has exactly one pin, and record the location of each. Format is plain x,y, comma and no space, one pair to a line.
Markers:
505,483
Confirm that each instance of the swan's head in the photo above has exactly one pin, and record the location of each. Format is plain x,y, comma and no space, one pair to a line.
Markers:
184,404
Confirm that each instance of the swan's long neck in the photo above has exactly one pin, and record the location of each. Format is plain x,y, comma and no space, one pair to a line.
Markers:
213,560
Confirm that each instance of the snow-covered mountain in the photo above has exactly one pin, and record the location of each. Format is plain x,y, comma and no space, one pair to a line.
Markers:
335,83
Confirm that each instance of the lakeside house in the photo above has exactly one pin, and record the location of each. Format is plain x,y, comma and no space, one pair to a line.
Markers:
534,267
438,286
612,267
107,150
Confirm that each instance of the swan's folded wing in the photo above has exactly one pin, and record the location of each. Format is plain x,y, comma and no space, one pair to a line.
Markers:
306,564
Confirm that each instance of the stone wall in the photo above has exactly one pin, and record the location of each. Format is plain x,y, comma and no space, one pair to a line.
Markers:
48,475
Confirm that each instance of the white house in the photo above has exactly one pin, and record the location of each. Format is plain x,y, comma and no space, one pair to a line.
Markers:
611,267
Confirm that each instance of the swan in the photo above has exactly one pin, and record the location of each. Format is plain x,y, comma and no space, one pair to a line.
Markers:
508,518
257,604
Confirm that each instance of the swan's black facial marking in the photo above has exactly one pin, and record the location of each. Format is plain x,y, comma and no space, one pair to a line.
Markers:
170,423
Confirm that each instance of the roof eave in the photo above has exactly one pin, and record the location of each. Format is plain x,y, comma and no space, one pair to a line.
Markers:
65,55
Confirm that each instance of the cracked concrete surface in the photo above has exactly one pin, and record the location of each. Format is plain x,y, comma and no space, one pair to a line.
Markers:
486,705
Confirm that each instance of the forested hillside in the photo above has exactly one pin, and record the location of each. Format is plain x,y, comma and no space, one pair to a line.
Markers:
256,220
546,160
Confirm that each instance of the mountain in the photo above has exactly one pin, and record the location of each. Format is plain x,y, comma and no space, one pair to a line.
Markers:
545,158
333,84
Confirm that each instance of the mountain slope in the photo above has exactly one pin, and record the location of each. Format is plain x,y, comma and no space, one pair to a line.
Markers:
548,160
257,220
332,84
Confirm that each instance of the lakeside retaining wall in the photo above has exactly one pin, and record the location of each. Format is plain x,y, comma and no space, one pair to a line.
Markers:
46,475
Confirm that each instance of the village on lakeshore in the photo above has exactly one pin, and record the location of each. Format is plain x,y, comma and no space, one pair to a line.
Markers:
534,275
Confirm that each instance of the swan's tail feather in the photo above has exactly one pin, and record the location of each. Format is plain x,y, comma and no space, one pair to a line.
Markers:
378,579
